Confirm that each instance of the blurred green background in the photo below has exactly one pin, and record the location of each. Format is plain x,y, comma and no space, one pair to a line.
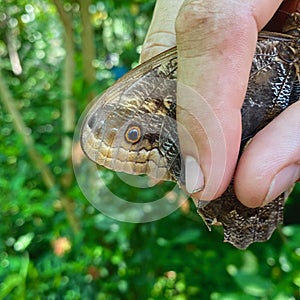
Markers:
55,57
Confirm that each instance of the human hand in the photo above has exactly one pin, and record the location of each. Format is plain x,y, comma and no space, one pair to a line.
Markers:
216,42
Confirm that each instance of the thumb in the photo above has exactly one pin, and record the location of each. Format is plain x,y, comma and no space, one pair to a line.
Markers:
216,42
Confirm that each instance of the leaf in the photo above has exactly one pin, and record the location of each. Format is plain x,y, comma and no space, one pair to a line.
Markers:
253,284
187,236
23,242
10,282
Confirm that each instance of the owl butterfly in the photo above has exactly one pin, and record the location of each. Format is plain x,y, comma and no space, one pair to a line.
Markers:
128,129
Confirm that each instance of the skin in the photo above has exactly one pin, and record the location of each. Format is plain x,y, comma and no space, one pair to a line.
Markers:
216,42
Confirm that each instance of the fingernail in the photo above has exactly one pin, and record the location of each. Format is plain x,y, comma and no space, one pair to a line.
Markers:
282,181
194,179
201,204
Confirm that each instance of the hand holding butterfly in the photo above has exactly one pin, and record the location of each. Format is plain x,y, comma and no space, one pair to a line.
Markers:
216,42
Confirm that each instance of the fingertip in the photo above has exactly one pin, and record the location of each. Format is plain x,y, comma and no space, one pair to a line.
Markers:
271,162
282,182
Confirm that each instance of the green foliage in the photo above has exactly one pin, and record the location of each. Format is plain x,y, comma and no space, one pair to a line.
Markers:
41,255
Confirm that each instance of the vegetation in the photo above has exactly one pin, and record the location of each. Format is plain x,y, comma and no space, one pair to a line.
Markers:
55,57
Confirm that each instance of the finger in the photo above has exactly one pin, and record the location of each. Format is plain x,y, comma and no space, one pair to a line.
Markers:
161,33
279,19
264,10
271,162
216,42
